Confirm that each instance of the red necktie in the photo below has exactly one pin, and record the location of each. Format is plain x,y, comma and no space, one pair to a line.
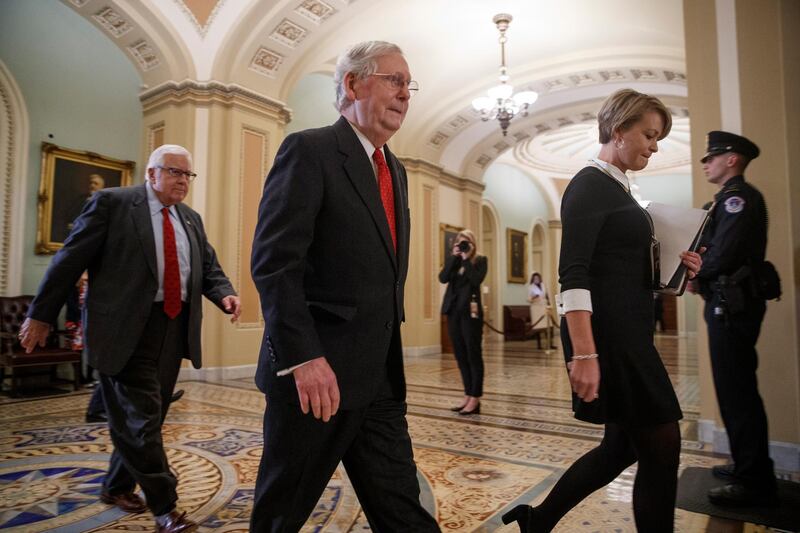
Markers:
387,192
172,275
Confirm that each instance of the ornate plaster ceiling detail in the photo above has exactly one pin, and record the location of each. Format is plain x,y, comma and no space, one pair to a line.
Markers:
483,160
78,3
564,149
288,33
577,80
266,62
112,22
315,10
144,55
201,13
438,139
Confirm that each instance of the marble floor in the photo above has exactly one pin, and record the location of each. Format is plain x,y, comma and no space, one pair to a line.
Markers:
471,469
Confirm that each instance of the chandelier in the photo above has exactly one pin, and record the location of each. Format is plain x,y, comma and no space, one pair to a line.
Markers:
500,104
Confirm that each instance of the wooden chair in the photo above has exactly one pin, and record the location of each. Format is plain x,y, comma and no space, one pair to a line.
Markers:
13,311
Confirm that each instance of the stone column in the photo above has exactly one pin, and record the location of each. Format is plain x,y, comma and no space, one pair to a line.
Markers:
233,134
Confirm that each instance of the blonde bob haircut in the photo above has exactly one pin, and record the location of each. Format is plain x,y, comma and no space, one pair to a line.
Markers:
625,108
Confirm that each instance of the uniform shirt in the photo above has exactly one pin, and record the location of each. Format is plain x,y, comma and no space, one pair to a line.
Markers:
737,233
181,243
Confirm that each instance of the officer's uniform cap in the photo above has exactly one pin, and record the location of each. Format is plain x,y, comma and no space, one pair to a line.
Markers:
720,142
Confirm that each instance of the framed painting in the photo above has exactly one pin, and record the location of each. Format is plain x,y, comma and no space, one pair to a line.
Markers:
69,178
447,238
517,264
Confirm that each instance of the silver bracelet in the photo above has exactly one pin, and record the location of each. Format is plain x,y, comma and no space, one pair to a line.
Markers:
587,356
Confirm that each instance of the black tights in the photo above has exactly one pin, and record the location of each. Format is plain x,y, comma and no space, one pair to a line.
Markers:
656,448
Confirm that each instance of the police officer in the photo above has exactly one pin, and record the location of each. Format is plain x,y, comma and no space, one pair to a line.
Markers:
736,242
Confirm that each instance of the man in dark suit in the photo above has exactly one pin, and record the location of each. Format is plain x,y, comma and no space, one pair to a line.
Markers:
330,259
149,263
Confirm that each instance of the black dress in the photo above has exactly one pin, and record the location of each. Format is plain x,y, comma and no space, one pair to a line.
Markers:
605,249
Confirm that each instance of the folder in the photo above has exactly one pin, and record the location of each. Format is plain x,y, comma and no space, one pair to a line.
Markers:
677,229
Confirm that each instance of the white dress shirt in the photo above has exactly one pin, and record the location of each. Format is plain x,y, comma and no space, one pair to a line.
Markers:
181,243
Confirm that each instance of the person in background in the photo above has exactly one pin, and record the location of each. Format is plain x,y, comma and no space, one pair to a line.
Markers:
737,243
464,272
607,277
539,301
149,264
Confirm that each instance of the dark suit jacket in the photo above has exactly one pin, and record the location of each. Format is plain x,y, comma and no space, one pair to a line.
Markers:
325,267
113,240
460,289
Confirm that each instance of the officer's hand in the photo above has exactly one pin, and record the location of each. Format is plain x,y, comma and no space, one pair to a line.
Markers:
584,376
693,262
317,387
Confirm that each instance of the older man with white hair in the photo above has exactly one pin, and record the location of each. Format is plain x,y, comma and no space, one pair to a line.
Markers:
330,259
149,263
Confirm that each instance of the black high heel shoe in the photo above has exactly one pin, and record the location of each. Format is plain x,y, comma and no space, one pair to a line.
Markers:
521,514
475,411
459,408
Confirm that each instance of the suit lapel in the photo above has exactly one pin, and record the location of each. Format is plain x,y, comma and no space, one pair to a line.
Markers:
144,228
359,170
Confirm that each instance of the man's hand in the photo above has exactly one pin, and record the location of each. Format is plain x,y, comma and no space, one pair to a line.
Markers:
33,332
584,376
317,388
232,305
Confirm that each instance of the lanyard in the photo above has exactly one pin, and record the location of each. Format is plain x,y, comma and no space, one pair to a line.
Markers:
655,246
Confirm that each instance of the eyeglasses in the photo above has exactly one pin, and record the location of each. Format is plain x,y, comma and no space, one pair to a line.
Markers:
177,173
398,81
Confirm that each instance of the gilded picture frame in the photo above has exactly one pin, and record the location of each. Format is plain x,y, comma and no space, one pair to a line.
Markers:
67,181
447,237
517,250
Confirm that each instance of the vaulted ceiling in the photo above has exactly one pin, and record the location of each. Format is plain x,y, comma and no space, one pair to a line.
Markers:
572,52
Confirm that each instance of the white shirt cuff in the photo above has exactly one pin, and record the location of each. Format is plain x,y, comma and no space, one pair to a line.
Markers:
574,300
287,371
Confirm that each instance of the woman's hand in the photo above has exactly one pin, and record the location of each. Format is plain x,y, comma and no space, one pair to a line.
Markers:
693,262
584,376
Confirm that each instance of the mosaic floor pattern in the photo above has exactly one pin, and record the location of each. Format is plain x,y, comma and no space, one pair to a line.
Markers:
471,469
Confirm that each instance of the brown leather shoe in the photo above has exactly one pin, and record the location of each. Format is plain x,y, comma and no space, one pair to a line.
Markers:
130,502
176,523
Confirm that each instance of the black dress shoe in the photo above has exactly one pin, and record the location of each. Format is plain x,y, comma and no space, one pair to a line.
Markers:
724,472
522,515
740,495
176,523
177,395
94,418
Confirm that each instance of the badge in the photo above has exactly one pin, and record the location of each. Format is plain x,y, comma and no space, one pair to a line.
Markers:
734,204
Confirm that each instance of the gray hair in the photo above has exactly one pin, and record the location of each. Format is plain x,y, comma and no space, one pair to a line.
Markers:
157,157
362,60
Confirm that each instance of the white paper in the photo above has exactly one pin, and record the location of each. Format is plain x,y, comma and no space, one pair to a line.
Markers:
675,229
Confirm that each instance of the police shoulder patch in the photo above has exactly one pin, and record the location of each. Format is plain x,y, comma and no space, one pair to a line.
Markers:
734,204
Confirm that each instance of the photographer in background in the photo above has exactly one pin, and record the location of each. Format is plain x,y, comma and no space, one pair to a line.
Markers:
463,272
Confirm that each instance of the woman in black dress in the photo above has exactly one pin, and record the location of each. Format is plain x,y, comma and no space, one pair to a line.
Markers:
463,272
616,374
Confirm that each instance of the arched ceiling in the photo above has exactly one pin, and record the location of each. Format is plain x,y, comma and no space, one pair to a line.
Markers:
573,52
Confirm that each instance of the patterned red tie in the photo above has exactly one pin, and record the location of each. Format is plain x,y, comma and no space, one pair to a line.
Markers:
387,192
172,275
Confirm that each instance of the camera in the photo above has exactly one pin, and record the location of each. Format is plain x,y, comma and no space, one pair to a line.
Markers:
464,246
